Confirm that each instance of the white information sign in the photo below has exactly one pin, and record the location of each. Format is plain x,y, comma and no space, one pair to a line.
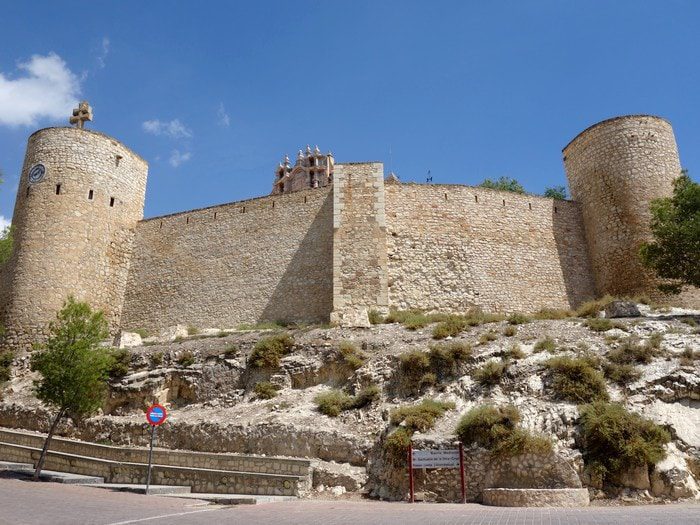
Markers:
436,458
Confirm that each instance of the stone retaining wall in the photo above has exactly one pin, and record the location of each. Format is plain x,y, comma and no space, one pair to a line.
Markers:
201,480
536,497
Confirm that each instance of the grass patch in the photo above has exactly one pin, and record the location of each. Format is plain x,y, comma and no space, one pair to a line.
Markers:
192,330
263,325
600,324
491,373
553,314
450,327
351,356
333,402
231,351
487,337
6,358
515,352
121,360
265,390
396,445
593,308
157,358
268,351
518,318
142,333
496,429
410,319
375,317
545,345
186,359
615,440
510,331
688,357
576,380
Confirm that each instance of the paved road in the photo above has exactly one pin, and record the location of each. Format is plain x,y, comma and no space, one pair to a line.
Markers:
23,502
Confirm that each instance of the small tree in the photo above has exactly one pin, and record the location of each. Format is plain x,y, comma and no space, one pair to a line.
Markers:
556,192
5,244
503,184
73,367
675,224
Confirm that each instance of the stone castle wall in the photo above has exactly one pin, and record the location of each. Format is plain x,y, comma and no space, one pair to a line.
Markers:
452,247
73,230
262,259
615,169
359,239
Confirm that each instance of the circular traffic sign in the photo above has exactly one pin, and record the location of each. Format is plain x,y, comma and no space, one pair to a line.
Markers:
156,415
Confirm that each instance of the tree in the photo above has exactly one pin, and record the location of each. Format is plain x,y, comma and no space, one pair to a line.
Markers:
675,252
73,367
556,192
5,244
503,184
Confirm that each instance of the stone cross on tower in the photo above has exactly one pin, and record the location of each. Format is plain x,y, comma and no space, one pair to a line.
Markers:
81,114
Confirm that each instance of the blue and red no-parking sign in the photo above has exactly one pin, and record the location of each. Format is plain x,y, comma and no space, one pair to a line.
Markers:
156,415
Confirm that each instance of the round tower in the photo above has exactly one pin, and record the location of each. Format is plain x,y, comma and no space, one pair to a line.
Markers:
79,198
615,169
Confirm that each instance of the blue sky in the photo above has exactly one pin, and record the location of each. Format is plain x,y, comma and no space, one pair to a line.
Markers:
212,94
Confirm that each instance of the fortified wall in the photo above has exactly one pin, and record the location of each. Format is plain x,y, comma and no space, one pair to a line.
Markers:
332,241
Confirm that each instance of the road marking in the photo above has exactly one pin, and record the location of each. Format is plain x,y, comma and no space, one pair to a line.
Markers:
161,516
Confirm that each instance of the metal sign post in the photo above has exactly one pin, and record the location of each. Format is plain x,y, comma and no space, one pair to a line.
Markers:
444,458
156,416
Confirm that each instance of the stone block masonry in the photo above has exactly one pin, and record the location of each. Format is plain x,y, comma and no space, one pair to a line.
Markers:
262,259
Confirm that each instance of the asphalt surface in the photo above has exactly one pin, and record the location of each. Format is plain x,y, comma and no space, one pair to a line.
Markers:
25,502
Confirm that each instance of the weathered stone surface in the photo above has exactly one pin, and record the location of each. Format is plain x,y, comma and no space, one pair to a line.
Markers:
536,497
171,333
672,477
617,309
332,474
128,340
634,478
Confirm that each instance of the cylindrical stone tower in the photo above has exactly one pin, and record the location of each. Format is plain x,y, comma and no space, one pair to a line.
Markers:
80,196
615,169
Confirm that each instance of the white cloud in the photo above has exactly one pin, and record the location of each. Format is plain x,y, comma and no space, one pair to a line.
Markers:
224,119
177,157
173,129
4,223
48,89
103,52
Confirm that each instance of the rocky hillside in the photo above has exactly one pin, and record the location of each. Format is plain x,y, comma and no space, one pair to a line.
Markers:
333,394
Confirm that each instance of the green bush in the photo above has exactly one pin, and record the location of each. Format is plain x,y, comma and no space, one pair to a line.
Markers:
6,358
366,396
514,352
451,327
192,330
518,318
420,417
615,440
547,344
186,359
621,374
351,355
375,317
121,359
142,332
503,184
444,359
268,351
576,380
231,351
631,351
413,366
491,373
396,445
496,428
333,402
157,358
688,357
265,390
411,319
